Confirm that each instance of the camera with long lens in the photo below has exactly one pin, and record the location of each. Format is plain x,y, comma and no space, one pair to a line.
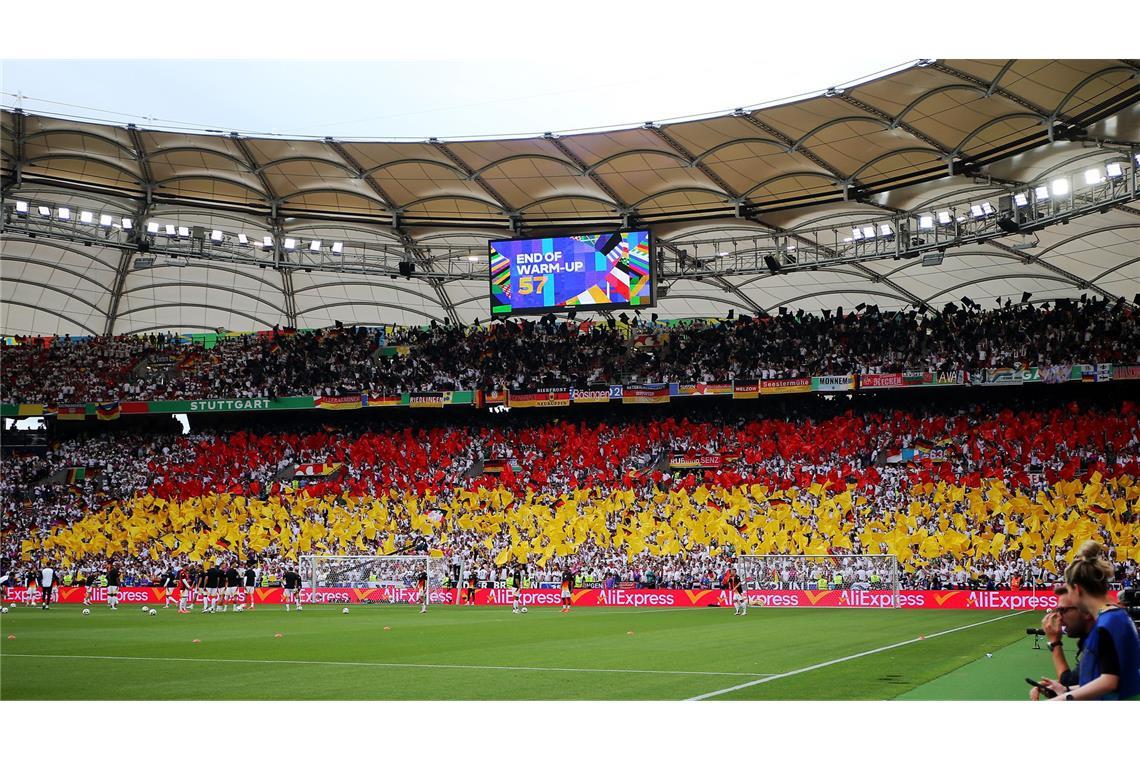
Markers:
1129,599
1034,631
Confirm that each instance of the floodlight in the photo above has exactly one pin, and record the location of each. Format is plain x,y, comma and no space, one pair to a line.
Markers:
1093,177
21,207
267,241
86,217
216,236
337,247
868,232
885,229
170,230
855,233
64,213
1020,199
944,217
722,253
1041,193
290,244
44,211
104,220
987,207
314,246
926,222
127,223
152,228
243,239
1060,186
183,232
976,211
1114,170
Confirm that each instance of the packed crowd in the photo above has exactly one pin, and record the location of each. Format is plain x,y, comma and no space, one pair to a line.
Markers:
551,352
993,495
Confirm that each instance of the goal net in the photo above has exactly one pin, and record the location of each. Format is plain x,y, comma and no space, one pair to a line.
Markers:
379,580
781,572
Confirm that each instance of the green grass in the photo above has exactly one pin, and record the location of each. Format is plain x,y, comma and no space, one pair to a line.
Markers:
489,653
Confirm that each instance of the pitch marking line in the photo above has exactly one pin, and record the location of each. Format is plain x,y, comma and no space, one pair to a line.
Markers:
777,676
384,665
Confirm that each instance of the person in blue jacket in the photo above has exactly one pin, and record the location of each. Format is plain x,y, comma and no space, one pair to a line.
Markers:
1110,665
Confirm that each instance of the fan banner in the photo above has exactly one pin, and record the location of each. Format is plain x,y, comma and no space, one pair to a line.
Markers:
1039,600
1126,373
892,380
788,385
645,393
542,397
598,394
831,383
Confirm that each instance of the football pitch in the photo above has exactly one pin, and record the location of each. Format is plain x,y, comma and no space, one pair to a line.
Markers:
487,653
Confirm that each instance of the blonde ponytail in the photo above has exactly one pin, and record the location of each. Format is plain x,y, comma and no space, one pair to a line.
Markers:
1090,569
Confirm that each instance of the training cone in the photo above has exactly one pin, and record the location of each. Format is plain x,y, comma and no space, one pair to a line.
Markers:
277,635
11,636
922,638
197,641
387,628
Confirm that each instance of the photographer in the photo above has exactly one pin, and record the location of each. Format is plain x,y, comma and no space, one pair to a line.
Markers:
1066,619
1110,667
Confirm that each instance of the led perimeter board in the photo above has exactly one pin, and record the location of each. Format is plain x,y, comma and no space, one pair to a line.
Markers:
583,272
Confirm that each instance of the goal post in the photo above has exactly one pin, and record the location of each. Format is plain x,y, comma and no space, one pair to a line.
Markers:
814,572
371,579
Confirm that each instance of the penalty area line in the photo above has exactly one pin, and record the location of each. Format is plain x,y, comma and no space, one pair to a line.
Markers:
817,666
432,666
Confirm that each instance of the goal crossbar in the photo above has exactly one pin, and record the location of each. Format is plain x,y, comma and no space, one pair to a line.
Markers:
818,572
390,578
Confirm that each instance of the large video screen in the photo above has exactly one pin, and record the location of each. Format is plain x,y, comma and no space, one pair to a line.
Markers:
609,270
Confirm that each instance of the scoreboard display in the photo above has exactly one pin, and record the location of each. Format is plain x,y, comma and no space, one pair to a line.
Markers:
583,272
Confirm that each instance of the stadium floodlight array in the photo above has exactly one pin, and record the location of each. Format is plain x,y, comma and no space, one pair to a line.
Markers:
854,573
991,214
371,579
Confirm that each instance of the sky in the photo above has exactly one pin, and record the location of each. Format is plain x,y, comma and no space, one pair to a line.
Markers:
411,99
452,68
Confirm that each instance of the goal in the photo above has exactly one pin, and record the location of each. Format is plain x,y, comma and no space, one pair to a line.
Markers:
368,579
811,572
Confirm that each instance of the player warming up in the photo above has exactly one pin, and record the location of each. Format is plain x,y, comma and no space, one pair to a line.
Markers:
292,586
185,590
47,583
567,589
422,591
735,587
113,579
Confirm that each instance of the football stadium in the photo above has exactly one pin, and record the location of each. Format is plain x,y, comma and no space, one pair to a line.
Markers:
829,398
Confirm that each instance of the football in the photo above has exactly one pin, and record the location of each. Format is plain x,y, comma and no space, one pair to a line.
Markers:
523,610
153,612
145,608
3,610
344,611
86,612
758,602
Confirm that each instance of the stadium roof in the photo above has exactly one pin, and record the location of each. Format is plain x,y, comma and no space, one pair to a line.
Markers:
788,182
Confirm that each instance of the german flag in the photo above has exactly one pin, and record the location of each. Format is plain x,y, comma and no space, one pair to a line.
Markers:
108,411
77,412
